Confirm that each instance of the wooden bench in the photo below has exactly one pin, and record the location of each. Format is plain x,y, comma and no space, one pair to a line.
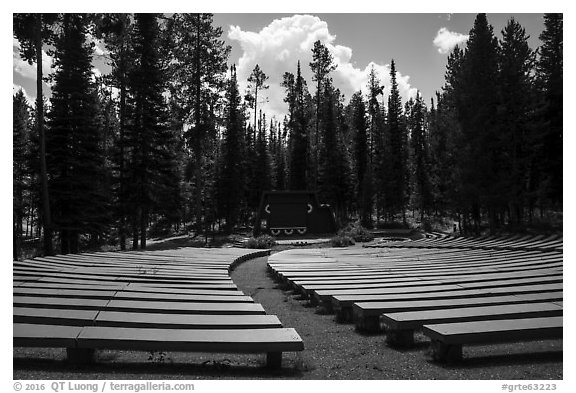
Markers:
366,315
342,304
69,317
448,339
37,285
400,327
129,295
504,278
138,306
86,303
81,342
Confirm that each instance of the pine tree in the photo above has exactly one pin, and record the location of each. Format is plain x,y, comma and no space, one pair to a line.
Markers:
322,65
32,31
298,145
363,171
480,158
263,164
280,160
374,113
74,143
550,80
116,31
257,83
333,162
152,141
396,130
420,159
197,73
20,137
232,176
516,108
446,139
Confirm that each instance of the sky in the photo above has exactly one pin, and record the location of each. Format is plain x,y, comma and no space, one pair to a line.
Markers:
418,43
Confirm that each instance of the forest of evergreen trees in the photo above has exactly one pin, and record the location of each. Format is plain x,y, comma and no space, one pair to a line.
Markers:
167,143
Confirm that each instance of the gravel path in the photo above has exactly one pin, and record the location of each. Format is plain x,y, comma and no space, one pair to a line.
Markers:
336,351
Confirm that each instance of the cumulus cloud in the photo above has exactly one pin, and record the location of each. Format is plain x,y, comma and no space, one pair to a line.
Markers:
278,47
446,40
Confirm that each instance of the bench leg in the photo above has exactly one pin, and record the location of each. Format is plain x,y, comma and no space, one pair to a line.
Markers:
80,355
274,360
344,314
446,353
327,306
368,325
400,338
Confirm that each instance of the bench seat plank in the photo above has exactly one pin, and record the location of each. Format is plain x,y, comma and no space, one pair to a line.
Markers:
44,316
488,332
179,321
430,295
170,297
193,340
448,339
184,308
377,308
67,281
380,282
49,336
366,315
130,295
67,293
59,303
138,306
411,320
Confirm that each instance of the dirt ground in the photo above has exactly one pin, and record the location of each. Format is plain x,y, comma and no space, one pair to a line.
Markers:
332,351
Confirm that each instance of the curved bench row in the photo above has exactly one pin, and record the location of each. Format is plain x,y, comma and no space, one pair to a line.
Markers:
401,289
169,301
513,242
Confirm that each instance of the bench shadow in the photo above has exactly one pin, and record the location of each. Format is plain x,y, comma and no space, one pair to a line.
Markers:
504,359
214,370
417,346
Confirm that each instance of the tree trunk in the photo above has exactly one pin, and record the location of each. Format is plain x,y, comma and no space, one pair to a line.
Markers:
135,236
197,143
255,110
143,224
46,215
121,201
15,238
64,242
74,241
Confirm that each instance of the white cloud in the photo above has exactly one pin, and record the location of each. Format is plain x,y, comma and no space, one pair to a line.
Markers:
278,47
25,69
446,40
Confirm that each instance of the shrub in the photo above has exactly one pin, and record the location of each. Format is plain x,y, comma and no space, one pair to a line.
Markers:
427,226
358,233
342,240
263,242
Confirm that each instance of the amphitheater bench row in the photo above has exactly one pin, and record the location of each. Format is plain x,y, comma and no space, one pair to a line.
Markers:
81,342
448,339
400,327
108,301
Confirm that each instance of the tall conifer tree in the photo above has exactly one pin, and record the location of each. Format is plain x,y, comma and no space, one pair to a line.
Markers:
74,143
550,77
